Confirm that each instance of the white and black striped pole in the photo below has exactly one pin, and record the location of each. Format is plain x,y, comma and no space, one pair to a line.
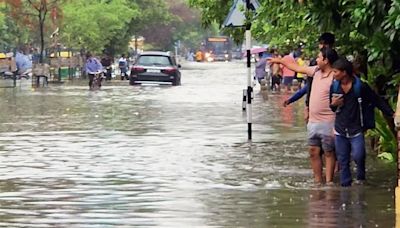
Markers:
237,18
249,110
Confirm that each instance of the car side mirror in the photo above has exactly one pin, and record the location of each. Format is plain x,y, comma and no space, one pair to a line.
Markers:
179,65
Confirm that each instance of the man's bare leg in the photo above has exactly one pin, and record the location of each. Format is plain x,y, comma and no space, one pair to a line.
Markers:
316,163
330,160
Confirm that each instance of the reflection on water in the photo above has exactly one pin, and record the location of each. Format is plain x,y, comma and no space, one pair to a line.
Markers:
169,157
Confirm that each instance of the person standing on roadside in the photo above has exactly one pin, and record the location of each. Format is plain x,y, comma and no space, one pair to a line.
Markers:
276,74
300,62
321,117
260,67
287,73
123,67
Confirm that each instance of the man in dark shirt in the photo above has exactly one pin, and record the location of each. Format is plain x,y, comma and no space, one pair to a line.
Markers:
349,132
107,61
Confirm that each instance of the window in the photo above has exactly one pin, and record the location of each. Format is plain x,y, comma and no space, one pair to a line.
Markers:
154,60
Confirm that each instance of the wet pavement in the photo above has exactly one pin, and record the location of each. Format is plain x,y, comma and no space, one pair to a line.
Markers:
163,156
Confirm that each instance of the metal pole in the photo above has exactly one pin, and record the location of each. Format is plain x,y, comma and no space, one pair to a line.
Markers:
176,54
249,110
397,189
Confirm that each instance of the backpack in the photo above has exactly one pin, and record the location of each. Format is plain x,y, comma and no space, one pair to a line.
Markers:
367,112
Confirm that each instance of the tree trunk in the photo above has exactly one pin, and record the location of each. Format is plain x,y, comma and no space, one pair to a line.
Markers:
136,45
41,24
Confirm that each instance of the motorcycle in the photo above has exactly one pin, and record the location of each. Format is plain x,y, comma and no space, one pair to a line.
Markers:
124,74
107,73
16,75
97,79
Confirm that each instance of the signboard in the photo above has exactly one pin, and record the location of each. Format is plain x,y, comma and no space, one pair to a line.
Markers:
217,39
236,16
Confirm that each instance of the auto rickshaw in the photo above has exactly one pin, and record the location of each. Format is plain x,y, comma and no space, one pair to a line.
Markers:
199,56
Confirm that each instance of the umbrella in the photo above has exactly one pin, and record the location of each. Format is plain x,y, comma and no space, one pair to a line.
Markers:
255,50
258,50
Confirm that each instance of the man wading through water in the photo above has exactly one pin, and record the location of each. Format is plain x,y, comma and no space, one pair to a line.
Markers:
321,117
351,99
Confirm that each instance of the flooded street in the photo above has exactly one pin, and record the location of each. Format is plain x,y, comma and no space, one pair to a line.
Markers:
163,156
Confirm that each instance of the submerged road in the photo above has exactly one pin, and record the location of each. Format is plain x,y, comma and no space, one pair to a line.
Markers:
163,156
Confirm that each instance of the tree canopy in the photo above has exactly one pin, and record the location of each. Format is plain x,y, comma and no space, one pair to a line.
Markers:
99,25
91,24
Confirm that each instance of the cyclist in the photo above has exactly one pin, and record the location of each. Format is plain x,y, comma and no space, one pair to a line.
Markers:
93,67
24,64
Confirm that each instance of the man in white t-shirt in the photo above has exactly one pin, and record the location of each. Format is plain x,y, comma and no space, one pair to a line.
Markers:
123,66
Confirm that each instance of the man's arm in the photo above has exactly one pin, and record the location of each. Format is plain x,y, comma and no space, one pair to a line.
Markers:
299,94
293,66
378,101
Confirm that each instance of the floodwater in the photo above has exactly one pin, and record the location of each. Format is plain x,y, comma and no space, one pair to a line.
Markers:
162,156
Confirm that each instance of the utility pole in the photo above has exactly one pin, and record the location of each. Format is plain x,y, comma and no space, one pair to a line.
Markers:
249,108
237,18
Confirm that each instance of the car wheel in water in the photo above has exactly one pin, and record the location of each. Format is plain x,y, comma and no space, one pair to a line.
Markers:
176,82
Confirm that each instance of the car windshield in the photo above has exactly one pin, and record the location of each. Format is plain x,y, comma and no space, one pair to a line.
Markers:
154,60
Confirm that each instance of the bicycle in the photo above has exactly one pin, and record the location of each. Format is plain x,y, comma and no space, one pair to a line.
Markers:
96,81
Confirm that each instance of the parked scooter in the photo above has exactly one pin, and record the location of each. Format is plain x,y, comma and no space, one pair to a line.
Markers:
16,75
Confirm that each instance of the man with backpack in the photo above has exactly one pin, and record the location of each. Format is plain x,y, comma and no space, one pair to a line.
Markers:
354,103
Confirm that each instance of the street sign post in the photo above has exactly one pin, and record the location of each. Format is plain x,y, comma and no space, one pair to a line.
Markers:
236,18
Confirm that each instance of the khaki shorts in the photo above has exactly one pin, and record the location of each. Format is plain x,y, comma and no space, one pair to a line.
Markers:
321,134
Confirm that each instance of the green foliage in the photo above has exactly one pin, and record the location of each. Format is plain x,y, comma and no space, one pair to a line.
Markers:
189,29
386,138
386,156
284,25
11,35
2,15
91,24
212,10
153,22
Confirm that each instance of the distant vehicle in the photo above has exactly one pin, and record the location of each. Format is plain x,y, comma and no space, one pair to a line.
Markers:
155,66
218,49
237,52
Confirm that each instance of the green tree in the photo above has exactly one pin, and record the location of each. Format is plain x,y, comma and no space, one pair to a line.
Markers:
93,24
212,10
152,22
33,14
11,35
2,15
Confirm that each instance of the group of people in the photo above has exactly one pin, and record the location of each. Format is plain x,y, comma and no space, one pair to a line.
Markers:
20,63
279,74
336,112
93,66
